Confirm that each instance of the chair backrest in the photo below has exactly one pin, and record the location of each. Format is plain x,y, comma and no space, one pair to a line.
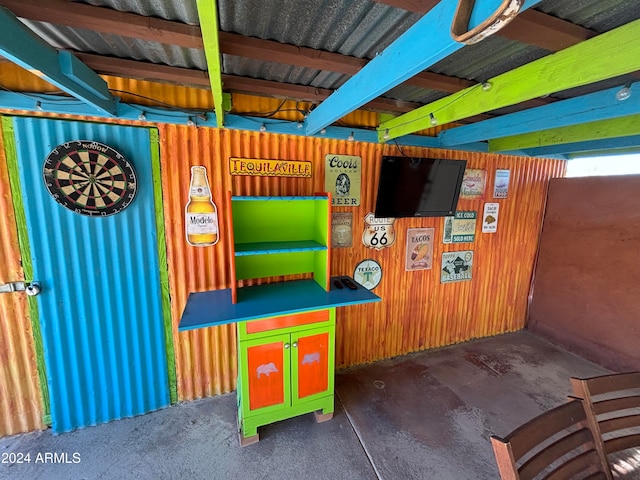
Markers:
556,445
614,402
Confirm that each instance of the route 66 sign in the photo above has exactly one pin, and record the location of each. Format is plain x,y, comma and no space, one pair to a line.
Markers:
378,232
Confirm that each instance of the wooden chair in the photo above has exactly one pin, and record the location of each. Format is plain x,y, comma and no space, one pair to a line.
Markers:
613,403
556,445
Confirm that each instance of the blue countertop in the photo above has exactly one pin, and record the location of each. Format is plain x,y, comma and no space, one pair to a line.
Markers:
207,309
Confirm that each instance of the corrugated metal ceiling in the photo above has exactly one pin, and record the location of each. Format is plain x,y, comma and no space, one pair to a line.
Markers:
357,28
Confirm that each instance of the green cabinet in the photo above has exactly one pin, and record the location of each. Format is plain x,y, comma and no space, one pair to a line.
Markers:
286,368
286,329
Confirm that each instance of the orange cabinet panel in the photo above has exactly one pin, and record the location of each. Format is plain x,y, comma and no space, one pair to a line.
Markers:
313,364
265,368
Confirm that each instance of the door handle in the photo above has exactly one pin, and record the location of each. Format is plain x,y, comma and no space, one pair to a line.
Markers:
30,288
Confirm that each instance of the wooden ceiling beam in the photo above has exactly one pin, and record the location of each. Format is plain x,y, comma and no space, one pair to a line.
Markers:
417,6
107,20
198,78
545,31
144,70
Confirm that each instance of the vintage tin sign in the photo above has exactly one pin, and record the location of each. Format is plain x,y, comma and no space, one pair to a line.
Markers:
456,266
368,273
473,183
460,228
341,229
342,178
501,184
490,218
270,168
378,232
419,249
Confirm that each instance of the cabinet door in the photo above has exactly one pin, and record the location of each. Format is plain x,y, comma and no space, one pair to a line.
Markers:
265,369
312,358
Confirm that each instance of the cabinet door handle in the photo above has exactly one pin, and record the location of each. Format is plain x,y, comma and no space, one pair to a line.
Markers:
295,344
286,345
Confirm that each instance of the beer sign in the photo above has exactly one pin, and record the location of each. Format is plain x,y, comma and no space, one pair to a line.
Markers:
378,232
342,176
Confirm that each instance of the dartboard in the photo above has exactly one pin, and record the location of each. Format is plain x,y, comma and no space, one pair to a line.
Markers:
89,178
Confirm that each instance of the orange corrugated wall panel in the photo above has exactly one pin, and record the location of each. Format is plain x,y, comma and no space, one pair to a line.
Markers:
20,395
416,312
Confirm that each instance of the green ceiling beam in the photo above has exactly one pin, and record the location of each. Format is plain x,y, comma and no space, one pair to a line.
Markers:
208,15
608,55
600,130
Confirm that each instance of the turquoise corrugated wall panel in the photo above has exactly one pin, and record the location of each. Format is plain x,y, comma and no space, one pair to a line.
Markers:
101,304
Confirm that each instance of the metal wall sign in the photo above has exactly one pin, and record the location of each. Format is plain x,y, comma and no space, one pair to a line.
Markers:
501,184
378,232
342,176
341,229
456,266
473,184
368,273
270,168
89,178
419,249
490,218
460,228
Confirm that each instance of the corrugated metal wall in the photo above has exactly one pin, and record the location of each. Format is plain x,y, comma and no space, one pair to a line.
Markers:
416,312
20,397
102,324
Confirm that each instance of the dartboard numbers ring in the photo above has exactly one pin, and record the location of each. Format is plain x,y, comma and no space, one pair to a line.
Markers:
90,178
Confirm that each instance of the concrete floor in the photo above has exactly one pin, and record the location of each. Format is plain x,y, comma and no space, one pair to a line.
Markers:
422,416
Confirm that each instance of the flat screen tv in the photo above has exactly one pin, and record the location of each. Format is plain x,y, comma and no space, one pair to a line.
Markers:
418,187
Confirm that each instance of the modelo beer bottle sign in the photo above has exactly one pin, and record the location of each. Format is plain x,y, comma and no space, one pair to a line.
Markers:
201,214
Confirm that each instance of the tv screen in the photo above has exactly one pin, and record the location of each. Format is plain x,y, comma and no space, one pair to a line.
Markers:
418,187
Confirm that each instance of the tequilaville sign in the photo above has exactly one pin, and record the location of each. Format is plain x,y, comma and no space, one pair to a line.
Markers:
270,168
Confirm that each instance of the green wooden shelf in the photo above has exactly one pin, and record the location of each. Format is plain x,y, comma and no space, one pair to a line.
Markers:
267,248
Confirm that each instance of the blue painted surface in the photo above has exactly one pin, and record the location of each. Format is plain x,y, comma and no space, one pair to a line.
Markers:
587,108
207,309
64,105
427,42
289,198
264,248
23,47
606,145
100,306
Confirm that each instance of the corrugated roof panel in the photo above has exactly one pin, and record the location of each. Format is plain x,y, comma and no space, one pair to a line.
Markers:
598,15
184,11
276,72
359,27
114,45
474,63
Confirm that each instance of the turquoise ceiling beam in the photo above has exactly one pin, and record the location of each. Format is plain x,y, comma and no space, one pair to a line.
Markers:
608,55
587,108
59,105
425,43
629,144
208,15
21,46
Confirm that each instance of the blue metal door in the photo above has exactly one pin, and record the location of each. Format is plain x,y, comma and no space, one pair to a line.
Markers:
100,308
